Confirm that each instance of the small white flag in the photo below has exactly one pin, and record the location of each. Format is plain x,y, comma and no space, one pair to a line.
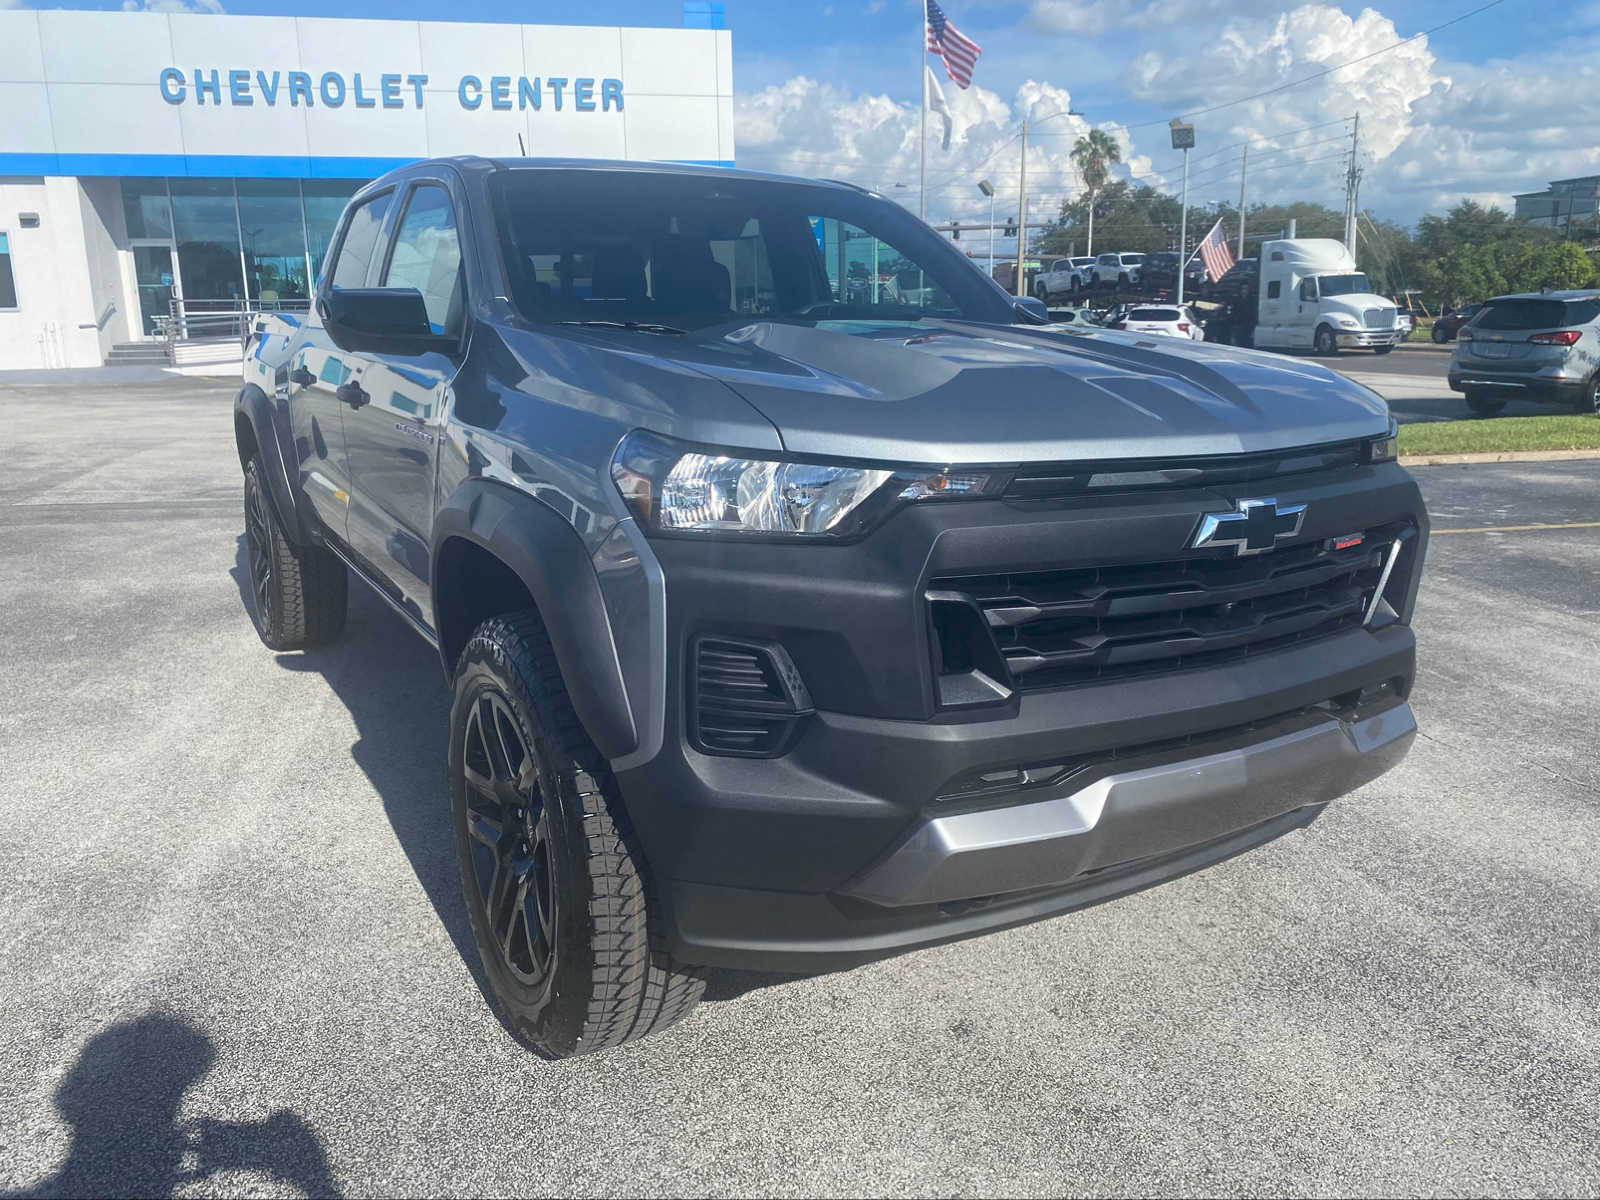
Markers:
935,100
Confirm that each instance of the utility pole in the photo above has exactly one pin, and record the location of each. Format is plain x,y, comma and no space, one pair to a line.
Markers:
1022,215
1244,166
922,85
987,189
1352,180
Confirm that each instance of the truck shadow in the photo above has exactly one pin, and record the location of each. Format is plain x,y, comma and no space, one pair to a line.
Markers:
390,682
121,1100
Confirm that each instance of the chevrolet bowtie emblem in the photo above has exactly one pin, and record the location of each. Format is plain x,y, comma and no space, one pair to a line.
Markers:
1254,528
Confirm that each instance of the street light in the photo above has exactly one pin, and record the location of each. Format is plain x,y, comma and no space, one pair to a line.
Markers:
987,189
1183,139
1022,200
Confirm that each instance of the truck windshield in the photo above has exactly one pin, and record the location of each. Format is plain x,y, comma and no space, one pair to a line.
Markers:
1344,285
688,251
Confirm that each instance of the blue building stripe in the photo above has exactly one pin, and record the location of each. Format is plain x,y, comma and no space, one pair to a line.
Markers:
221,166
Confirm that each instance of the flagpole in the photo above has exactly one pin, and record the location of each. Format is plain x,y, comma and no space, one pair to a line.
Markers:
922,86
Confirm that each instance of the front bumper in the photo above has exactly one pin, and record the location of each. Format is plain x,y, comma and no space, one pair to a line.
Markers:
1365,339
858,841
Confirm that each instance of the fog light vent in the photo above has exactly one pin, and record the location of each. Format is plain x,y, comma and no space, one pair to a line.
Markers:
746,699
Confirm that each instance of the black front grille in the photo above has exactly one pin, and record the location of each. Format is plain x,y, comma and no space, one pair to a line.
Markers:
746,698
1054,628
1069,481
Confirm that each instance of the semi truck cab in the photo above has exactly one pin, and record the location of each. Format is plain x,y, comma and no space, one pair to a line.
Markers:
1312,297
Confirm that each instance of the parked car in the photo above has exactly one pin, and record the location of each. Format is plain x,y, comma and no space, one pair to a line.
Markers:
1159,274
1170,321
1541,346
1060,278
1405,323
1117,270
738,679
1447,326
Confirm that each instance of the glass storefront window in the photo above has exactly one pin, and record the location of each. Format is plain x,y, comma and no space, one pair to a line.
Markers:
207,230
144,204
325,201
274,239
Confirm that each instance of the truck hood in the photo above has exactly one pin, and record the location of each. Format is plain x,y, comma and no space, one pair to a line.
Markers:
1355,303
945,392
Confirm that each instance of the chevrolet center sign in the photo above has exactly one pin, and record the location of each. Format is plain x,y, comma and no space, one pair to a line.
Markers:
159,94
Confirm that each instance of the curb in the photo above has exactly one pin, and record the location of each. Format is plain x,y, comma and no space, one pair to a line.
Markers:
1496,456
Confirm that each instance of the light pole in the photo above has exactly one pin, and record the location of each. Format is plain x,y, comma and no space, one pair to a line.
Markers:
1022,199
987,189
1183,139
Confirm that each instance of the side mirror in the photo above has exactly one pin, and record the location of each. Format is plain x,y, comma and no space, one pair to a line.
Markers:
380,321
1032,310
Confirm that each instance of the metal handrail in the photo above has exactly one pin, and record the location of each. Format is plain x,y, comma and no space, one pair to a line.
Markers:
195,320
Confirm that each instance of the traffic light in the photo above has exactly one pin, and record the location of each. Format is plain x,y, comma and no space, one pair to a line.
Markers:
1011,227
955,230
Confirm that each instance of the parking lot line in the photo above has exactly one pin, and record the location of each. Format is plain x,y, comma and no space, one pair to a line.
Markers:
1519,528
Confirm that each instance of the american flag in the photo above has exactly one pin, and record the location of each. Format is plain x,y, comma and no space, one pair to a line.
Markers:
960,53
1214,252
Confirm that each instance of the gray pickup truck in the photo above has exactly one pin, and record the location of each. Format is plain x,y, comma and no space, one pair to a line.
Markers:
804,598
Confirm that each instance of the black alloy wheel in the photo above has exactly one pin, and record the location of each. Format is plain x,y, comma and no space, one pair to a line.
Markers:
513,864
259,548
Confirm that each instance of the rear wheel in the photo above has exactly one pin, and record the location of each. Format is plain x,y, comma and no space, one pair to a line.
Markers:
1325,343
1440,334
298,595
1041,293
1589,398
571,945
1484,404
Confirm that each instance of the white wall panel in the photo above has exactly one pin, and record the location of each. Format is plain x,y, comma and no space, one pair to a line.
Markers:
670,62
27,118
274,132
99,47
573,51
451,50
674,127
112,118
578,135
203,40
21,57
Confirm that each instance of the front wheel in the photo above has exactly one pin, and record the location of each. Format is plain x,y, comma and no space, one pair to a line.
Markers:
1041,293
1325,343
299,595
572,946
1440,334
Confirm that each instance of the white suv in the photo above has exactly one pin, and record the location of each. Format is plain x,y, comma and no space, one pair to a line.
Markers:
1117,270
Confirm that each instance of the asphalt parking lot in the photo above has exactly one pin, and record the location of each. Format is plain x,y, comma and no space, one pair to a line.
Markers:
236,959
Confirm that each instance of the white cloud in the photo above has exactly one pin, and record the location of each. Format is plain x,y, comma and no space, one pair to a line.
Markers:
173,6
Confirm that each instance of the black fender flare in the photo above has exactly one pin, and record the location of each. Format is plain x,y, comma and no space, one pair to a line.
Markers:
254,406
544,551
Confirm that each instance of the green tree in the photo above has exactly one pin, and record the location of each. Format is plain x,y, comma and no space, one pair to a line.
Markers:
1094,154
1560,265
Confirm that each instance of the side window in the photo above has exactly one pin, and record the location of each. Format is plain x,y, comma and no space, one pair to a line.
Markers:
427,256
1308,289
8,281
1274,289
353,266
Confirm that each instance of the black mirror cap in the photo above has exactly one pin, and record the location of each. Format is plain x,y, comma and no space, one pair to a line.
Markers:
380,321
1032,310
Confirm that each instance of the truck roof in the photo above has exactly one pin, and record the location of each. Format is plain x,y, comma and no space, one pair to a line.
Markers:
1316,254
472,164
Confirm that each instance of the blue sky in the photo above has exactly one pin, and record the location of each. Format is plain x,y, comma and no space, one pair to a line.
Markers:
1494,105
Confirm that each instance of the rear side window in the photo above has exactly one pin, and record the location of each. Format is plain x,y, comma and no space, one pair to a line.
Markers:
1155,314
1274,289
427,256
1535,314
1132,260
354,265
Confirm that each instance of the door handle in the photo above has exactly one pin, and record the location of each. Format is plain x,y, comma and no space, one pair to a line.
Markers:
352,393
302,377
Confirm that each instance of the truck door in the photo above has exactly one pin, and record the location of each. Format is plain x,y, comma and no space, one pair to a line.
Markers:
1270,325
320,374
1306,311
392,428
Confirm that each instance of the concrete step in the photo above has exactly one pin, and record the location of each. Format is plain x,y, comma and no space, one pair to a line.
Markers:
138,353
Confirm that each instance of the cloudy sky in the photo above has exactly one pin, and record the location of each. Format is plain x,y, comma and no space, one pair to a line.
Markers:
1500,102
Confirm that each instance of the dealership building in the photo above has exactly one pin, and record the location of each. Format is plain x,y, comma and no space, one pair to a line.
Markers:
158,166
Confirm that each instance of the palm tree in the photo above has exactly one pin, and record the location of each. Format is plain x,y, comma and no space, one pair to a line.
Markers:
1094,153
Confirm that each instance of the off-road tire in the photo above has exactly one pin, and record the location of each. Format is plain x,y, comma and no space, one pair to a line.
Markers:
1483,405
1440,335
609,978
1325,343
298,594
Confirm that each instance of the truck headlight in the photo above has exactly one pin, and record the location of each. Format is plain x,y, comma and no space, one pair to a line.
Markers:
1348,322
675,488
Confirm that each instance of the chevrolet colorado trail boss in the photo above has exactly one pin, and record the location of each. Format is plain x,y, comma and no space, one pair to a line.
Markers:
804,597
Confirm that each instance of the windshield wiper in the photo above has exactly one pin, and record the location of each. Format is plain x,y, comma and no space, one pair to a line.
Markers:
630,326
